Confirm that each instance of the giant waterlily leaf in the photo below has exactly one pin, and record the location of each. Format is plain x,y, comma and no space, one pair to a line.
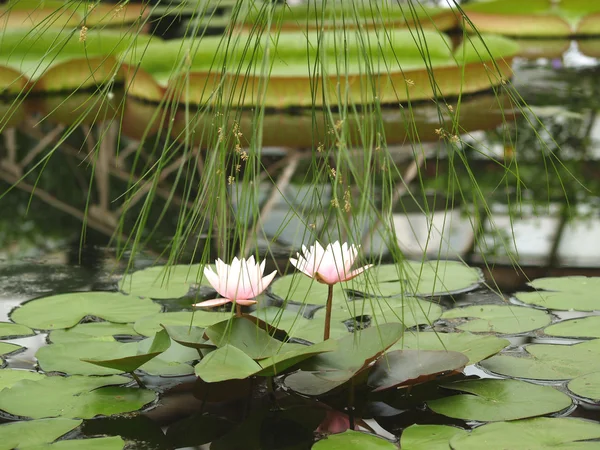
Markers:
161,282
103,443
541,433
549,361
353,440
148,326
130,356
91,330
33,432
497,400
73,397
410,367
429,437
9,377
66,310
13,330
475,347
226,363
499,318
564,293
585,327
587,386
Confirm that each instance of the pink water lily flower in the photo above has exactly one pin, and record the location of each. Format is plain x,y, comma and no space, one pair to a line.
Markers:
329,265
239,283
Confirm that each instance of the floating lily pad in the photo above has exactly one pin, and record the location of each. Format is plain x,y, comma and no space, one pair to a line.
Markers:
173,362
548,361
292,354
8,377
7,347
66,310
506,319
429,437
410,367
162,282
34,432
475,347
91,330
73,397
353,440
587,386
532,434
496,400
149,325
192,337
103,443
564,293
302,289
13,330
585,327
226,363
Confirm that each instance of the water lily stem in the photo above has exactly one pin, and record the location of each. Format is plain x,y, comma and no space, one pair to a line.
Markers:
328,313
238,310
138,380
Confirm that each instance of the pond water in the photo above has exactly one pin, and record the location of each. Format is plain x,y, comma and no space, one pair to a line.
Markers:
41,255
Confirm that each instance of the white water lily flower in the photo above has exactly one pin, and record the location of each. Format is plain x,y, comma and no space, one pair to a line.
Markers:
329,265
239,283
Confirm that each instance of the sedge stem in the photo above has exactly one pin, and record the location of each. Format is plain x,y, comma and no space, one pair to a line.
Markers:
327,329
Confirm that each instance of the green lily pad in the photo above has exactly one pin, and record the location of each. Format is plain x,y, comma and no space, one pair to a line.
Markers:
34,432
548,361
302,289
564,293
410,367
8,377
103,443
162,282
531,434
73,397
587,386
66,310
226,363
353,440
429,437
149,325
91,330
173,362
130,356
505,319
6,348
475,347
292,354
192,337
13,330
497,400
585,327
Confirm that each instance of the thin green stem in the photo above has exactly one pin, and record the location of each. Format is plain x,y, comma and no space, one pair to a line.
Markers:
138,380
328,313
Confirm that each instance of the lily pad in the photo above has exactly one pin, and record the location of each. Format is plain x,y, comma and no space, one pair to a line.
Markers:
585,327
292,354
192,337
7,347
173,362
548,361
475,347
103,443
587,386
503,319
353,440
91,330
73,397
410,367
34,432
149,325
429,437
498,400
13,330
226,363
9,377
304,290
564,293
532,434
66,310
162,282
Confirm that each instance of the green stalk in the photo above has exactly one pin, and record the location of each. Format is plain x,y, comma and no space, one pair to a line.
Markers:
328,313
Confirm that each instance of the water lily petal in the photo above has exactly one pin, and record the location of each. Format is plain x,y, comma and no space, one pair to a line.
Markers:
211,303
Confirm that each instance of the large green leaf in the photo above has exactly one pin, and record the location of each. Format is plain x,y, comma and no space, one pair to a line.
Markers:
91,330
13,330
103,443
585,327
564,293
506,319
226,363
497,400
162,282
73,397
475,347
66,310
410,367
292,354
173,362
353,440
24,434
302,289
429,437
541,433
587,386
149,325
9,377
6,348
549,361
192,337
